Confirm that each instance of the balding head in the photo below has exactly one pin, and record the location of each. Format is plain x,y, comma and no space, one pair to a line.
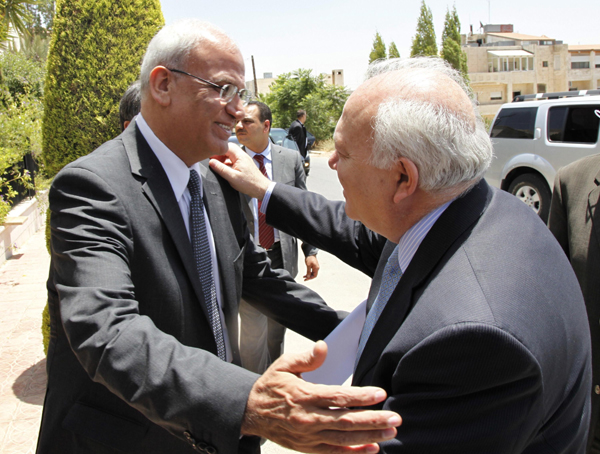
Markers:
422,110
174,45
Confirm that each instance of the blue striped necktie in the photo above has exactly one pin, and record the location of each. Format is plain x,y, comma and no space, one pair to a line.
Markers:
203,259
389,280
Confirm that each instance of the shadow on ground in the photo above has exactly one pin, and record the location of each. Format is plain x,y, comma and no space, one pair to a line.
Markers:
30,386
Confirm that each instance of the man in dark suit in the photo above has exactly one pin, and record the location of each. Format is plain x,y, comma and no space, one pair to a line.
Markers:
261,339
475,324
575,222
297,132
145,280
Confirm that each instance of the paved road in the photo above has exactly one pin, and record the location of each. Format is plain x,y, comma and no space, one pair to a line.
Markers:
340,286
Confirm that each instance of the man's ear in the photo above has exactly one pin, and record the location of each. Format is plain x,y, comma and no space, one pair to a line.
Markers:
161,84
407,179
267,126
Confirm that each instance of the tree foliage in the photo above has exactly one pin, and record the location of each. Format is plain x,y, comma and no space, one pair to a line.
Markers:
15,14
424,43
95,53
451,43
393,51
301,90
378,50
21,91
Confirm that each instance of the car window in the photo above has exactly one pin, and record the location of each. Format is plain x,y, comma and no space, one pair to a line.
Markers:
278,135
515,123
574,124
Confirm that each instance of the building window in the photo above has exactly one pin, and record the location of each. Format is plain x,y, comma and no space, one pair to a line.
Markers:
544,64
496,95
580,65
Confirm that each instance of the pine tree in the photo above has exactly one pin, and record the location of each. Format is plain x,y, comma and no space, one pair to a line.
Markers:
424,41
95,53
451,43
378,51
393,51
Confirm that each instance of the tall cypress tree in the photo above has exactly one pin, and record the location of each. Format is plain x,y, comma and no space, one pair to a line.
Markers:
393,51
378,51
424,41
451,43
95,53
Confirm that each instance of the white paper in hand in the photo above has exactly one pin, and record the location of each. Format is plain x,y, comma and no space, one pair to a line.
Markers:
342,346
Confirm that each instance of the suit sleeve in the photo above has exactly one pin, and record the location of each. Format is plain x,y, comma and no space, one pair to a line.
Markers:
557,221
464,389
180,388
300,182
324,224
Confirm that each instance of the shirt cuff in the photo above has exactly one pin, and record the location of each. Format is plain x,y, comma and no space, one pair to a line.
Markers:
265,201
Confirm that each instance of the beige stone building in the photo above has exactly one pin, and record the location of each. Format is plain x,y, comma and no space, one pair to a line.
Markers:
503,64
584,69
263,85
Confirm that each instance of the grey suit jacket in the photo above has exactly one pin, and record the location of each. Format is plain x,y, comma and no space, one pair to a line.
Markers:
575,222
483,346
287,169
132,363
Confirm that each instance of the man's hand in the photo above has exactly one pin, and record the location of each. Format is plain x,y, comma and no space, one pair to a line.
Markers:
241,172
315,418
312,267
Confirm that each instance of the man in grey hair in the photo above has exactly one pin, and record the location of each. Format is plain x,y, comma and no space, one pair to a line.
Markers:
474,324
150,257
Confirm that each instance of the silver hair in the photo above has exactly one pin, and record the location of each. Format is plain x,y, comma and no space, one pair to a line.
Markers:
449,149
172,45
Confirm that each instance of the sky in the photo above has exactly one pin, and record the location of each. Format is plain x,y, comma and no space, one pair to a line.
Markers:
323,35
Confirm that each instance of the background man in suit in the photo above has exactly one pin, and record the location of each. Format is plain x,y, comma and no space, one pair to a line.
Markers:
297,132
575,222
145,280
261,339
129,106
479,335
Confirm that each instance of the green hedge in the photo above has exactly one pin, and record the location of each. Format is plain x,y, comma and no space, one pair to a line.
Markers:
96,50
95,53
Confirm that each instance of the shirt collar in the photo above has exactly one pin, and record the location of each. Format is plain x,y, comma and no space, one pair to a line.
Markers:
412,239
177,172
266,152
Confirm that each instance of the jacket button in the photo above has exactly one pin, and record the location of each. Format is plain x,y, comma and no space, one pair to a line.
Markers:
597,389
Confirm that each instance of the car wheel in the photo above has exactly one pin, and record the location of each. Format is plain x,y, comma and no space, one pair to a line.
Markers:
533,191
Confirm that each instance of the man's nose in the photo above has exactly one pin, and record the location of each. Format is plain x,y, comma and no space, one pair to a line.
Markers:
235,108
333,160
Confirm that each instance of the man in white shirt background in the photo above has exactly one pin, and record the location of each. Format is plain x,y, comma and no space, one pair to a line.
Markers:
261,338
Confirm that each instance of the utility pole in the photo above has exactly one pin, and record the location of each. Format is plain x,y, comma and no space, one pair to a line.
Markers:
254,73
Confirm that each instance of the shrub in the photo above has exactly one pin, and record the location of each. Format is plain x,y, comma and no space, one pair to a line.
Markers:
95,53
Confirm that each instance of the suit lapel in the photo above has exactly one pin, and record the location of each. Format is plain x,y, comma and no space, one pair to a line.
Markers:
157,188
223,234
594,211
277,163
446,234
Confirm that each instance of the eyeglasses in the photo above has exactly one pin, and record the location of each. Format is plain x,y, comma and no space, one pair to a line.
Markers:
226,92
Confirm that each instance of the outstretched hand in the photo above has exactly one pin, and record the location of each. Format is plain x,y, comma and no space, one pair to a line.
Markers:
240,171
315,418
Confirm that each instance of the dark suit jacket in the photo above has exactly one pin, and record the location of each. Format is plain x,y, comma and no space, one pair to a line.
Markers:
575,222
298,132
131,362
287,169
483,347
